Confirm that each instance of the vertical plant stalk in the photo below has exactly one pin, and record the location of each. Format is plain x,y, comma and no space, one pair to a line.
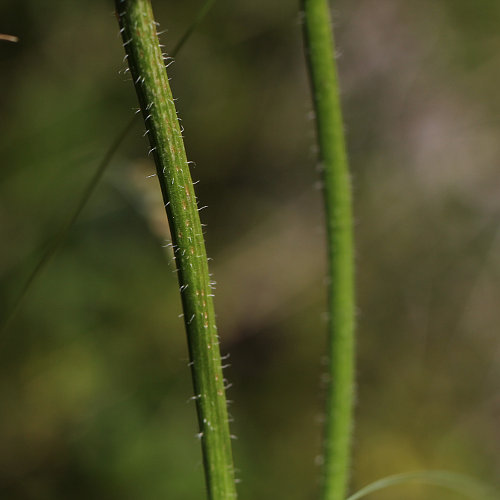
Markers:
319,45
147,67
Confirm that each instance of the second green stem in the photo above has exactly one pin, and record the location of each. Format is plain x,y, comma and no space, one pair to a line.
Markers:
337,195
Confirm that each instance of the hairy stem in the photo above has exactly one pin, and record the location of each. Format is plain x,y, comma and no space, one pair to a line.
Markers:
147,67
319,46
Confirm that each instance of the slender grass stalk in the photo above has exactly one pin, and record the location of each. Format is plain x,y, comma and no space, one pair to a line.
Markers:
319,47
147,67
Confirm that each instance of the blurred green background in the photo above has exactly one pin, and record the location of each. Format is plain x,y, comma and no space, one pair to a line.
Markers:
94,382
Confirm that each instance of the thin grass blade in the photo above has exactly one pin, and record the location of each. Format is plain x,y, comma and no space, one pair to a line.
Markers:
63,232
461,484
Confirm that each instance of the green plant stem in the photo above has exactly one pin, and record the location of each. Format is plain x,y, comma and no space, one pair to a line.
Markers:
319,46
147,67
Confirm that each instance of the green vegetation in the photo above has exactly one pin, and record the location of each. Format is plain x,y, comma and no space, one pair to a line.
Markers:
94,374
94,181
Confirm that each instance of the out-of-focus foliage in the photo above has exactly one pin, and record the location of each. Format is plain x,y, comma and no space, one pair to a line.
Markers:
94,383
